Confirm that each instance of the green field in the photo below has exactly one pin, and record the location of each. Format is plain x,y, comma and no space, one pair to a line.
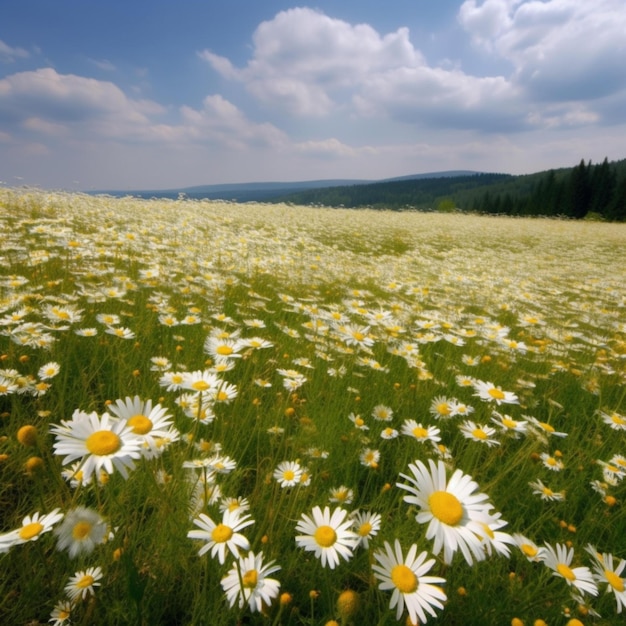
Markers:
185,386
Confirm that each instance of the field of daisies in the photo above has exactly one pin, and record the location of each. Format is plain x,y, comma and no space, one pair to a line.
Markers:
216,414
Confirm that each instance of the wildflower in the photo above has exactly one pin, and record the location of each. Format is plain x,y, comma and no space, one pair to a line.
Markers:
219,537
613,419
389,433
288,473
369,457
543,429
342,495
147,422
545,492
27,435
551,462
239,505
327,535
382,413
528,548
49,370
508,425
61,613
559,560
80,532
347,604
411,428
82,583
366,525
441,407
100,443
604,572
455,514
488,392
121,332
478,432
406,577
33,526
358,421
248,582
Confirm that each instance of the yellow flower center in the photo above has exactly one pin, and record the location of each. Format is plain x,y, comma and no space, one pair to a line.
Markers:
250,578
547,491
546,427
81,530
443,408
224,350
325,536
404,578
200,385
365,529
103,442
479,433
614,580
617,419
420,433
141,424
289,475
221,533
30,530
496,394
446,507
551,461
358,422
85,581
529,550
63,614
508,422
222,396
358,336
566,572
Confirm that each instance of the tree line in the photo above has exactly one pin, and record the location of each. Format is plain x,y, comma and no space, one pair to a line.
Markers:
586,190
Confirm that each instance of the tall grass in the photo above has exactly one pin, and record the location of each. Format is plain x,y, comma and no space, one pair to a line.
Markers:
403,310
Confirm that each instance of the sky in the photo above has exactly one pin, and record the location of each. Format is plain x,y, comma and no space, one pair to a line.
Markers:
156,94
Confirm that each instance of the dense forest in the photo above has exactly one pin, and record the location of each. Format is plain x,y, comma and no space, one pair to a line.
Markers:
584,191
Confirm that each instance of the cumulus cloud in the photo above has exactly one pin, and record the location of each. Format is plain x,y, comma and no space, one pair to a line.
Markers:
562,50
72,100
309,64
9,54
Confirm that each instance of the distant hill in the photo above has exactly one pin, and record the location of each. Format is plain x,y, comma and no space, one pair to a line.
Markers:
265,191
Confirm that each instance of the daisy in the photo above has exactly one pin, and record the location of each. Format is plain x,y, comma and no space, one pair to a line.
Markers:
543,429
442,408
478,432
366,525
288,473
488,392
382,413
200,381
223,348
551,462
327,535
411,428
80,532
239,504
406,577
613,419
223,535
33,526
369,457
454,512
545,492
389,433
559,560
508,425
248,582
172,381
358,421
49,370
494,539
604,572
100,443
61,613
147,422
341,495
528,548
82,583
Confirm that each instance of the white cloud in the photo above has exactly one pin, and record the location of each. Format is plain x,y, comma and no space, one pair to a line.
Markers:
9,54
562,50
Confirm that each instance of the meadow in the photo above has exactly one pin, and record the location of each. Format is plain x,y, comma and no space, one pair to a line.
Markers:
218,414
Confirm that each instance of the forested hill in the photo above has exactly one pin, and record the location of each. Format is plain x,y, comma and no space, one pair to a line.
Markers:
586,190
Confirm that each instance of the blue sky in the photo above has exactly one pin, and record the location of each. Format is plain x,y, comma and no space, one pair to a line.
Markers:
148,94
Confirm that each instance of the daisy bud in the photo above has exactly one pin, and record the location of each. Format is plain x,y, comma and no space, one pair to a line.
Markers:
27,435
347,603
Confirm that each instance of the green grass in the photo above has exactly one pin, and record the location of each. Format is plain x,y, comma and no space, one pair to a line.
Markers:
455,289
